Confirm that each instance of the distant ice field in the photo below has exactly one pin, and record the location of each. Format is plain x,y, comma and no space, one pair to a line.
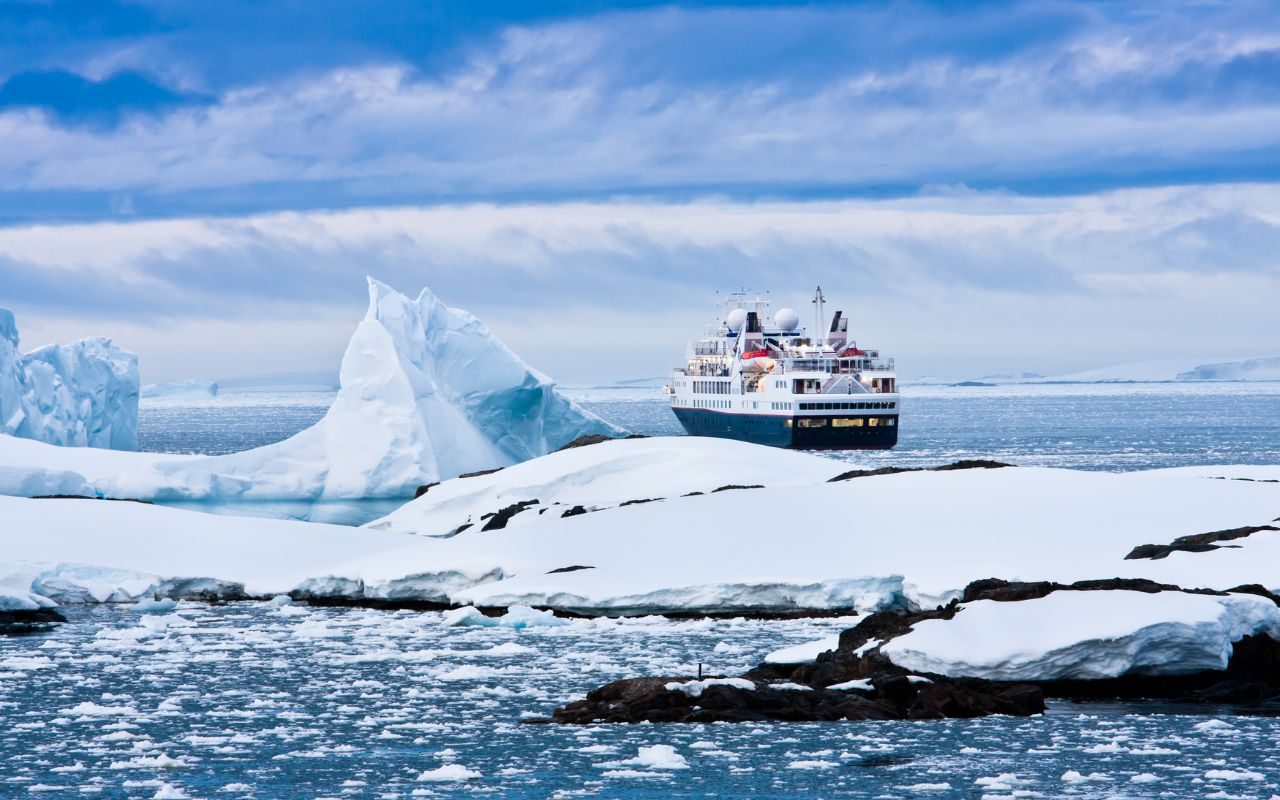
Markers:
250,700
1082,426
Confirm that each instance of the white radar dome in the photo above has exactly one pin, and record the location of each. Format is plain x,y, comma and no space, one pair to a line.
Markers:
786,319
736,319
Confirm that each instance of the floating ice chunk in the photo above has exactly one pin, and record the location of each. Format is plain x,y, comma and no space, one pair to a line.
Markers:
449,773
657,756
1144,777
170,792
1071,776
518,617
813,764
91,709
696,688
163,606
928,787
1233,775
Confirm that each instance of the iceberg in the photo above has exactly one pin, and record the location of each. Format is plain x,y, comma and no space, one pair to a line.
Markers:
426,393
82,394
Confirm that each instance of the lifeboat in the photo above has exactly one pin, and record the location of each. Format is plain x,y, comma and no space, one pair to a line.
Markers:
852,351
757,361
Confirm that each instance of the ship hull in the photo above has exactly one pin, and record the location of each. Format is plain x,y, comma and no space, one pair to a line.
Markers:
776,432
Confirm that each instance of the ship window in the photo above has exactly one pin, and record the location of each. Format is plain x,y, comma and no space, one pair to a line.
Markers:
893,405
873,421
846,423
889,422
813,423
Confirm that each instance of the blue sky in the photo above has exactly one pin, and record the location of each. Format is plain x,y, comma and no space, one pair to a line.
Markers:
1069,172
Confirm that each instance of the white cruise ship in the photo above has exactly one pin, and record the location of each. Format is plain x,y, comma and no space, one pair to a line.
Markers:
764,379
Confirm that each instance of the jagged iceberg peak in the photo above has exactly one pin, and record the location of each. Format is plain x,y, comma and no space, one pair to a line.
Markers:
82,394
426,394
449,389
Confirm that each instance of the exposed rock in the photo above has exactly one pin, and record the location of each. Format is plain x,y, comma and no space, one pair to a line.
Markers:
478,473
572,568
1013,591
1196,543
638,502
964,464
19,622
597,438
421,490
733,486
762,694
502,516
573,512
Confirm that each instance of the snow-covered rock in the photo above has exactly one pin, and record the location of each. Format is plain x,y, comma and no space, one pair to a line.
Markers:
606,475
82,394
1086,635
427,393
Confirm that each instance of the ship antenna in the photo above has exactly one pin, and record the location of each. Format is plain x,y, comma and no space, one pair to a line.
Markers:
818,301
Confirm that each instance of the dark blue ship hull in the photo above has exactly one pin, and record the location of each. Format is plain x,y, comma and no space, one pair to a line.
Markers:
839,432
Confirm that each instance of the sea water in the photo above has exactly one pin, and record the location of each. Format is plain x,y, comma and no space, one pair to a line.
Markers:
251,700
254,701
1080,426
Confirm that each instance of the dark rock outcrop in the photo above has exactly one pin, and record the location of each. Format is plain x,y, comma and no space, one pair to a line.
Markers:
19,622
597,438
497,520
955,465
1196,543
890,692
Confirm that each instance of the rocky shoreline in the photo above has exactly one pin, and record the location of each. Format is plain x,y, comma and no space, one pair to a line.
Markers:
857,681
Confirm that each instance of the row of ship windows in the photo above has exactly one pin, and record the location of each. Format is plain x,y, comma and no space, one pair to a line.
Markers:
853,422
844,406
709,403
711,387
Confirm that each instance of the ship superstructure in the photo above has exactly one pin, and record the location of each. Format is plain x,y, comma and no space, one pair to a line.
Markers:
763,378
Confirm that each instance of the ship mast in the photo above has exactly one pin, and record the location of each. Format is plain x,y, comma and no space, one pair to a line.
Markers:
818,301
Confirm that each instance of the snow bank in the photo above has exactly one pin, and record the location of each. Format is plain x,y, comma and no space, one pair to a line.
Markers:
913,539
606,475
805,653
1086,636
83,394
427,393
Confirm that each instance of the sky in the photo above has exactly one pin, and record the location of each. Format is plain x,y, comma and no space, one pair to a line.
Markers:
982,187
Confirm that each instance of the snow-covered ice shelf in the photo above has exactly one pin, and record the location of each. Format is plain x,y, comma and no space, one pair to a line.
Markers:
913,539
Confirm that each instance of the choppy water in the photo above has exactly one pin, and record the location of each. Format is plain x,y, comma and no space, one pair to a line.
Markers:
250,701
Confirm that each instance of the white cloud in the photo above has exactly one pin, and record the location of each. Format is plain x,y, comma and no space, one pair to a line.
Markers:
953,284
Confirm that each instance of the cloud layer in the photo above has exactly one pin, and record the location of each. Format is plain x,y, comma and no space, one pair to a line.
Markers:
952,282
805,102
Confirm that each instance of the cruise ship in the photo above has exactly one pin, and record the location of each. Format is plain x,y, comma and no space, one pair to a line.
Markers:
762,378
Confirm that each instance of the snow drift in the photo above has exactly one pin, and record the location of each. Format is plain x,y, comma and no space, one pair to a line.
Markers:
427,393
1072,635
83,394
